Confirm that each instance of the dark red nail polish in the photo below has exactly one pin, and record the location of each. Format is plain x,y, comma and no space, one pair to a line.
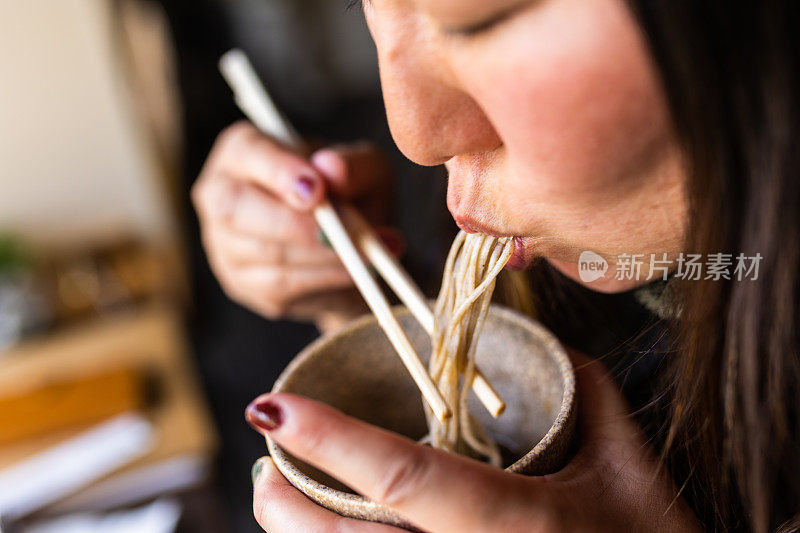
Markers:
263,415
304,188
393,240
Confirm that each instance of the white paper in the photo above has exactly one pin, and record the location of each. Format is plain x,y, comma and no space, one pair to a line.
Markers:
63,469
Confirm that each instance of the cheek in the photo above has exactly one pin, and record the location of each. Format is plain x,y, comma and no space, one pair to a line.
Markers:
575,102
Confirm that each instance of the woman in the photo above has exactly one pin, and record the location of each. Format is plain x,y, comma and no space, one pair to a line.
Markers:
646,129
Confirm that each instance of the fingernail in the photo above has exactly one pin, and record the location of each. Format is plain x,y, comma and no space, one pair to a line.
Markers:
304,188
323,239
329,163
263,416
393,240
255,471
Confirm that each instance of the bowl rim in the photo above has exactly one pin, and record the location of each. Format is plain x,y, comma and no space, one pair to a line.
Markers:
357,506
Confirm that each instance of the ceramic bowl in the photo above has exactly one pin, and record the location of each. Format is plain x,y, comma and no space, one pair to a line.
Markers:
357,371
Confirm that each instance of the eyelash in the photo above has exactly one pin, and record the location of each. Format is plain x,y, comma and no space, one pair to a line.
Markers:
481,27
349,4
473,31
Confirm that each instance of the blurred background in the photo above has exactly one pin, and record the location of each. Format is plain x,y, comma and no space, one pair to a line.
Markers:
124,370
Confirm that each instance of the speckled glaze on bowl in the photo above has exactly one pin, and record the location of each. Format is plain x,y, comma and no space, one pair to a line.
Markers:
357,371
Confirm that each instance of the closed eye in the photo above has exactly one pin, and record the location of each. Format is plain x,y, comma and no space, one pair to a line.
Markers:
489,23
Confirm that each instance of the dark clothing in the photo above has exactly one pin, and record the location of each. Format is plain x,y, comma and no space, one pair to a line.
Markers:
620,329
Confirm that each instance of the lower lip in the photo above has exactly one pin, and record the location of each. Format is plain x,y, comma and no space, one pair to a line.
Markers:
519,259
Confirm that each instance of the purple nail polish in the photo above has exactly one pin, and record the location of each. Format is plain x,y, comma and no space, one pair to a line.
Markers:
304,188
264,416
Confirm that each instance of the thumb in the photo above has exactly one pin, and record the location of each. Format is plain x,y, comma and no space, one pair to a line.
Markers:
353,171
604,415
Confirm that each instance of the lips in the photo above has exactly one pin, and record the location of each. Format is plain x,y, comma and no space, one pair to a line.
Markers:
522,257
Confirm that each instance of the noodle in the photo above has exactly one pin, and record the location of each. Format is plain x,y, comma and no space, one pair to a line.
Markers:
471,270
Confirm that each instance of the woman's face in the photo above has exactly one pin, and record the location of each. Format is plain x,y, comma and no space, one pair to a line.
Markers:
549,117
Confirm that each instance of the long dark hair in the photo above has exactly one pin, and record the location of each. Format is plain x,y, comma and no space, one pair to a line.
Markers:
731,71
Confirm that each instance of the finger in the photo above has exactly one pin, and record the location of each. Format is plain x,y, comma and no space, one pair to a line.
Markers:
604,414
273,291
257,213
353,171
296,281
244,250
279,507
608,432
433,489
615,456
332,308
246,154
393,239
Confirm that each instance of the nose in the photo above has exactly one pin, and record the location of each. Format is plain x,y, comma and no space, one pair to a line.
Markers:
431,116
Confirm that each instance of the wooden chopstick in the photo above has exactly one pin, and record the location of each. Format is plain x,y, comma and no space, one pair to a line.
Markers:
337,235
253,99
410,294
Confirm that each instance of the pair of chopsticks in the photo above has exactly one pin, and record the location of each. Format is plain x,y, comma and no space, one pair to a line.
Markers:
255,102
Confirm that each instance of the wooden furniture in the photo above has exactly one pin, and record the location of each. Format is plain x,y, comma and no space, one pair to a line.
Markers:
150,339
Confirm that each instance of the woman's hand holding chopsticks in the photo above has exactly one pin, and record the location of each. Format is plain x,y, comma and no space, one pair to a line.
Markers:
254,199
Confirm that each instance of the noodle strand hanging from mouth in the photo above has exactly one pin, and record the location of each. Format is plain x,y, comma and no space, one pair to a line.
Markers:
471,270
